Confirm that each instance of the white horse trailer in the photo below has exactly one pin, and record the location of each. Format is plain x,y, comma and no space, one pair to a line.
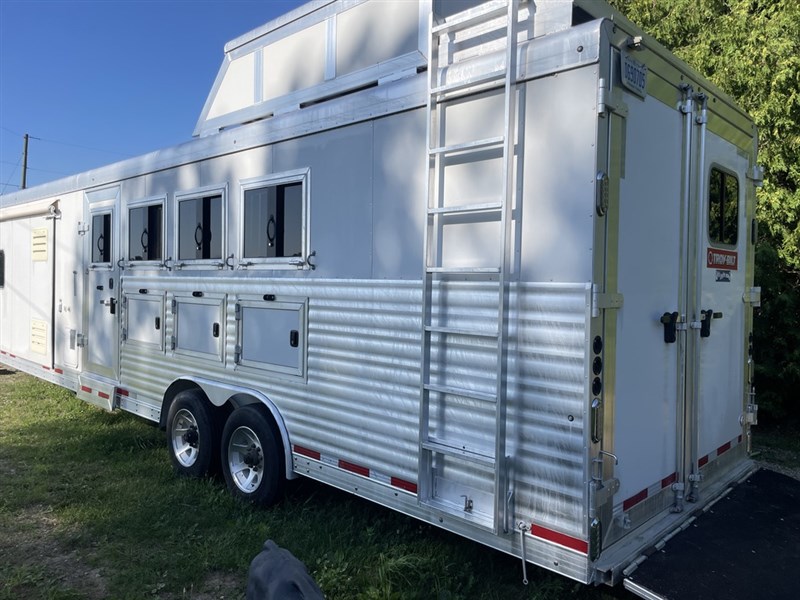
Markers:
487,264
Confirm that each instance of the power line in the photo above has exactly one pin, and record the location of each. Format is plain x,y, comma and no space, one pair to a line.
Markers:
81,146
10,176
11,131
8,162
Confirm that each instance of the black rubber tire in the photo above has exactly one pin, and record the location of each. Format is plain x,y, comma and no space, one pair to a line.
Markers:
193,435
252,456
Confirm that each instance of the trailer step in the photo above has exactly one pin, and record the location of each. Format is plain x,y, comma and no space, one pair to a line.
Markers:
492,142
461,331
479,15
473,456
465,209
462,392
451,509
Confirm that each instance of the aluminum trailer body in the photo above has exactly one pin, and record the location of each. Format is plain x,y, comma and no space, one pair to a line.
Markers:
494,273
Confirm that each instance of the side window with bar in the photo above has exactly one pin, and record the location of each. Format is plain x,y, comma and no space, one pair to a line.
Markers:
146,233
200,230
275,220
723,208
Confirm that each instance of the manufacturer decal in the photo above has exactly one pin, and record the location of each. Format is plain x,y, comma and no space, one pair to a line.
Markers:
634,75
724,276
722,259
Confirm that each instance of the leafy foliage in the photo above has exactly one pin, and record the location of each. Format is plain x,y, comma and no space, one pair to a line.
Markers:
751,50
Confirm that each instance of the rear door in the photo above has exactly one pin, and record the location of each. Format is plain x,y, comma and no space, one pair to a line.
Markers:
647,395
717,334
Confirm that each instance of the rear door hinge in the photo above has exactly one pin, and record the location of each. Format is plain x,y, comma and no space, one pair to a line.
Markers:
80,340
172,342
124,334
610,100
83,228
604,300
238,312
752,296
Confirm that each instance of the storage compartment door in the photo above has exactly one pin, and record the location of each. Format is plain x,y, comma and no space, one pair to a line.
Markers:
272,336
200,326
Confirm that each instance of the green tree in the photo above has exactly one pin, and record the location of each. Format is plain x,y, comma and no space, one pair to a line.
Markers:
751,50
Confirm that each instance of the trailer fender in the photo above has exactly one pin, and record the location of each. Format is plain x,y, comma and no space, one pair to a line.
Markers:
220,393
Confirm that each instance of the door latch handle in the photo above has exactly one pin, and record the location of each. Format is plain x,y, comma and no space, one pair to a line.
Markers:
705,322
670,322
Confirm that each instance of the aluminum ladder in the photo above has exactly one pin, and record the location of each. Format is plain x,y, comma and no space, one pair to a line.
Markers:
490,460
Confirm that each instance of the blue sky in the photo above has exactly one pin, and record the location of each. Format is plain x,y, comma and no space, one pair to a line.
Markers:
100,81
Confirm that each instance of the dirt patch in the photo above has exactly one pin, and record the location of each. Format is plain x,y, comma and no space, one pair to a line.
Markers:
30,544
217,586
780,466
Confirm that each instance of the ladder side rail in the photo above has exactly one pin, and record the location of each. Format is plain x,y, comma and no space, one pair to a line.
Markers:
507,199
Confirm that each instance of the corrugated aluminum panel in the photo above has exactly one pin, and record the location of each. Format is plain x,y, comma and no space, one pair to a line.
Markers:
360,399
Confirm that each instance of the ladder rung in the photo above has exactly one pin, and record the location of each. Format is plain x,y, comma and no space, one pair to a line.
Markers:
466,208
473,17
473,456
468,83
465,332
474,145
465,393
464,270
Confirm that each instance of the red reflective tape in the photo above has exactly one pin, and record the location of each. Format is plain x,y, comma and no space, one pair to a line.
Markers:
668,481
59,371
103,395
634,500
2,351
560,538
724,448
703,461
348,466
122,392
88,390
404,485
306,452
12,355
45,368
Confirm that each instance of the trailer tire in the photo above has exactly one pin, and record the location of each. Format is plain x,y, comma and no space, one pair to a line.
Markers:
252,456
193,435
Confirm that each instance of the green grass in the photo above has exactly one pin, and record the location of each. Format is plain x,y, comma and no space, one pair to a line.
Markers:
90,508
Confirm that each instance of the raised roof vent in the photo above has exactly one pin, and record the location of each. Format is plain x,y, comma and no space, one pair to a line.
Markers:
321,50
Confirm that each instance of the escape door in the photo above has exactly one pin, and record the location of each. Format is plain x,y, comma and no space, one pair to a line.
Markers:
101,309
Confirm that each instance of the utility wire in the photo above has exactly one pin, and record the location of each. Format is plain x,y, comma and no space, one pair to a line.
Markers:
8,162
10,176
82,147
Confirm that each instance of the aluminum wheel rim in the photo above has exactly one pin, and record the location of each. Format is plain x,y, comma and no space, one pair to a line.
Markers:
245,459
185,438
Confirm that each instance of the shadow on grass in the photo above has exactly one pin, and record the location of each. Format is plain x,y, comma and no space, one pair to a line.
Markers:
119,505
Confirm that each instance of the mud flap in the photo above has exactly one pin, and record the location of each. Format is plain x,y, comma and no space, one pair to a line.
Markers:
747,545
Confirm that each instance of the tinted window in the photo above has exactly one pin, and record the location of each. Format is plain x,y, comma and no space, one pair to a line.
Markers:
273,221
145,233
101,238
200,228
723,208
